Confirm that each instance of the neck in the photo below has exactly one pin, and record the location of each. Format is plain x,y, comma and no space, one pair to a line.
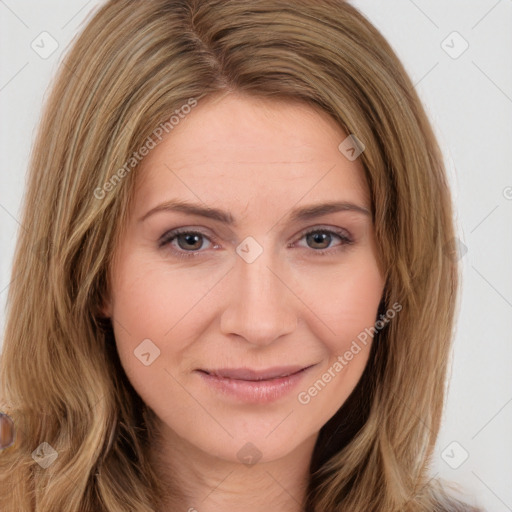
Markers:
195,481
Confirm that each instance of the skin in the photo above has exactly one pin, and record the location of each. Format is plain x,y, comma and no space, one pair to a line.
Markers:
258,159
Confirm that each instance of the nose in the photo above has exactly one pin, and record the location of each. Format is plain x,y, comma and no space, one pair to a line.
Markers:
262,306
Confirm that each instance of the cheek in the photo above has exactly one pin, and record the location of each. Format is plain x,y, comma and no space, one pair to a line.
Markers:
157,311
345,299
143,310
150,298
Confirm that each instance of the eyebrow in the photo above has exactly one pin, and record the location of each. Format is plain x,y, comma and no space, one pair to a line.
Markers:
296,215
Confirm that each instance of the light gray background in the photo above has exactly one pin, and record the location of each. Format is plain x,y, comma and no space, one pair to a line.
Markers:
469,100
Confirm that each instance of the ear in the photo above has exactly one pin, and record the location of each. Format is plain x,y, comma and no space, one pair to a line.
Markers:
105,307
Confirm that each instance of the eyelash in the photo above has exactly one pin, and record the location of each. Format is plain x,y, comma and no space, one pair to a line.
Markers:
170,236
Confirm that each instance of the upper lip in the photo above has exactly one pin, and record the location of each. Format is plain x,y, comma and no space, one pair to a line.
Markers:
250,374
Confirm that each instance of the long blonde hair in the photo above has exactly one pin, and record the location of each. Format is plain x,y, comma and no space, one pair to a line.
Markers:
135,63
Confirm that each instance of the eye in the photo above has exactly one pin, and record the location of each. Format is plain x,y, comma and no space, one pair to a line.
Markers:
320,239
183,241
187,243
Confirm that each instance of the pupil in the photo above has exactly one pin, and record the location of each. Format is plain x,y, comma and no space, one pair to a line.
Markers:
320,238
191,239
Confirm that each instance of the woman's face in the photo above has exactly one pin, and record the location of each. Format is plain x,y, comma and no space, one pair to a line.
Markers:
243,292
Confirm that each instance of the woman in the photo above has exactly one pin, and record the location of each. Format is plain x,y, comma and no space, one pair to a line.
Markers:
196,346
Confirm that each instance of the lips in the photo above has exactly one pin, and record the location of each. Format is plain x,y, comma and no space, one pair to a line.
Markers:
249,374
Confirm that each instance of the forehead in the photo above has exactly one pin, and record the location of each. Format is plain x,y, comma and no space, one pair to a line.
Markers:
233,148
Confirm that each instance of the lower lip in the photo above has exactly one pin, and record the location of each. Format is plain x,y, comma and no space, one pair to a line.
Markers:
261,391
